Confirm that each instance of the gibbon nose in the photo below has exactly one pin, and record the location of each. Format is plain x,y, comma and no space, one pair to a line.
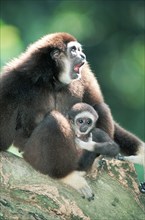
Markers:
83,56
83,129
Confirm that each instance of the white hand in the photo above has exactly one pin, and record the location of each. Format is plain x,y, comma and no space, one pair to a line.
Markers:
85,145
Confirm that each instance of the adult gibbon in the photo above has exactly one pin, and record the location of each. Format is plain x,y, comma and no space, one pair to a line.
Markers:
36,92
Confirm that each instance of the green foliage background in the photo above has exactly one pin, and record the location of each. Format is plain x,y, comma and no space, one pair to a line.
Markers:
112,35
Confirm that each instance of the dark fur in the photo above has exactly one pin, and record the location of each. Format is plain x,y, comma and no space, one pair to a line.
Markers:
52,159
30,91
104,146
128,142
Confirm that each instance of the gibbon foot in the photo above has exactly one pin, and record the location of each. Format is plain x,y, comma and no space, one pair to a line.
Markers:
77,181
102,162
120,157
142,187
139,158
86,194
132,159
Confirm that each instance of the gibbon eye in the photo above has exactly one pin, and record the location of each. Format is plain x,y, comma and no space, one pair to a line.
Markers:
89,121
80,121
73,48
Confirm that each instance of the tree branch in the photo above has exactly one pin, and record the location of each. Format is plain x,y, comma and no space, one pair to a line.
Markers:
29,195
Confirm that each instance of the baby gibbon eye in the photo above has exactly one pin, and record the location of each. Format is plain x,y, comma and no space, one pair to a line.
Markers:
89,121
80,121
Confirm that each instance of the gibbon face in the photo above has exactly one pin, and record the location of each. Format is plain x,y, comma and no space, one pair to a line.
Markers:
83,119
83,123
71,60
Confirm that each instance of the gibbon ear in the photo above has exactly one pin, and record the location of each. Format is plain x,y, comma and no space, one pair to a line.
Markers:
55,54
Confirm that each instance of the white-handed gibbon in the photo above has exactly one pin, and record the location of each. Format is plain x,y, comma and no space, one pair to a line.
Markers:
91,141
83,118
36,92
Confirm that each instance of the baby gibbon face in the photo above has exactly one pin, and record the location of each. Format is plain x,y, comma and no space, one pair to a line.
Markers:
71,60
83,118
84,122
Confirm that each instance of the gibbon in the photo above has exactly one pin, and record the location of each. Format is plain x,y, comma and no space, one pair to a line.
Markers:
37,90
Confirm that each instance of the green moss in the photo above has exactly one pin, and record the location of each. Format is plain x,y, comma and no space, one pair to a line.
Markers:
114,170
30,196
2,216
37,216
5,203
129,182
115,201
72,217
46,202
142,199
21,194
125,166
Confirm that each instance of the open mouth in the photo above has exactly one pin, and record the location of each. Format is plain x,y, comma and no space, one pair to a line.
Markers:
76,70
77,67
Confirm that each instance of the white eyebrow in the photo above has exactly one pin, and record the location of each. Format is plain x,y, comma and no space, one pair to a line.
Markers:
86,114
74,43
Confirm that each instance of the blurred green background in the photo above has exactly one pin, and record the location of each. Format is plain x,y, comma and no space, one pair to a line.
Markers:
112,35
